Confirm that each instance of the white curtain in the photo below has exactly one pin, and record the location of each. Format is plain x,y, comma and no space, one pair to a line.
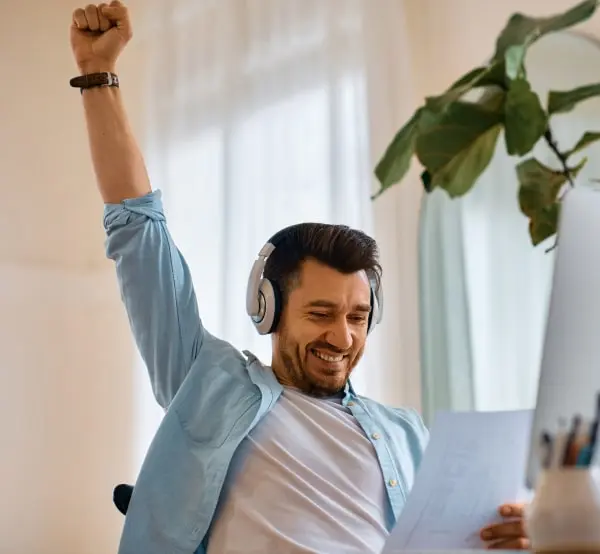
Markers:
485,289
261,116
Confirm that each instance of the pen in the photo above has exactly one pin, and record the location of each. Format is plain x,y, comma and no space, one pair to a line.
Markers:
594,429
570,458
584,459
547,449
587,454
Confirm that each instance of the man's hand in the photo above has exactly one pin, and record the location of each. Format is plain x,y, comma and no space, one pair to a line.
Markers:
98,35
510,533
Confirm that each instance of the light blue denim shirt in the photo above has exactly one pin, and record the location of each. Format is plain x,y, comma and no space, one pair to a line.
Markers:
214,395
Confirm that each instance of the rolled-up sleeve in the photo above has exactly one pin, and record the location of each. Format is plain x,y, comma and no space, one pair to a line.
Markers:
157,290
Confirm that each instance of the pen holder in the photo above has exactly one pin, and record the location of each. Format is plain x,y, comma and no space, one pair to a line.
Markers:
564,515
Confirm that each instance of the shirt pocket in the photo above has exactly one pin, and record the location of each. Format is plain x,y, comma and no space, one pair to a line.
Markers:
215,406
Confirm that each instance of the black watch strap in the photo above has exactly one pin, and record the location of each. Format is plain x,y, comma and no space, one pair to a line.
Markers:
92,80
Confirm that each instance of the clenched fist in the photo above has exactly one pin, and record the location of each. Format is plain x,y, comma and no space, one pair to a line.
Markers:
98,35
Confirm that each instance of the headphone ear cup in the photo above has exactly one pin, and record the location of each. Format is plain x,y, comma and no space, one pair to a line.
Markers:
374,316
270,303
277,306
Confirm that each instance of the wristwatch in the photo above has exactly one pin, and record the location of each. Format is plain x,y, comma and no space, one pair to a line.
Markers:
93,80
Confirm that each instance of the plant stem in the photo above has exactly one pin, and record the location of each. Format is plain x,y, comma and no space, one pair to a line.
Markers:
552,144
549,138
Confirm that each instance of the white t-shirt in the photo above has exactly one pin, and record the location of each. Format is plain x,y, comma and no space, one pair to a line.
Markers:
305,480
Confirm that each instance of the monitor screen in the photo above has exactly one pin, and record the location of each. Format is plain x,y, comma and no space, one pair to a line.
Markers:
570,371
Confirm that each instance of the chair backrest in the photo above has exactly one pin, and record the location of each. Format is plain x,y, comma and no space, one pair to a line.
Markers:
122,496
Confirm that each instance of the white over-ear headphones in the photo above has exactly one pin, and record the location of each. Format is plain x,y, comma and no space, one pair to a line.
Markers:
263,297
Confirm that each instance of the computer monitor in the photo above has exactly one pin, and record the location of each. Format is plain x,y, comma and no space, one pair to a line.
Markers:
570,371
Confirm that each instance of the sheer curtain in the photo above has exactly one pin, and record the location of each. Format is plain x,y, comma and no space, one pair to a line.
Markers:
259,118
485,289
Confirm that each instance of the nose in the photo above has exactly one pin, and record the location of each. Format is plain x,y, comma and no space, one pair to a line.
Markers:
339,334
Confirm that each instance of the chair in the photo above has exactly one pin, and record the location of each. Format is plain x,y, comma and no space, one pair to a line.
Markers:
122,496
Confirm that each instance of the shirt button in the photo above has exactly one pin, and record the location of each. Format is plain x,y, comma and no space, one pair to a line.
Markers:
375,436
350,403
392,482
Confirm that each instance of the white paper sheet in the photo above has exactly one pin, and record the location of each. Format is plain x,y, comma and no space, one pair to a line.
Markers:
475,461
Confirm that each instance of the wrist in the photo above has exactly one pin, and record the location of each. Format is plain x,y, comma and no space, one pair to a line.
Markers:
87,69
94,80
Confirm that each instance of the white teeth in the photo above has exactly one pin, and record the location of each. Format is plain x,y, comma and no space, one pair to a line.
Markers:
327,357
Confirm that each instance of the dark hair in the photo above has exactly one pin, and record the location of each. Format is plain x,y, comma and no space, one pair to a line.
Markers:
337,246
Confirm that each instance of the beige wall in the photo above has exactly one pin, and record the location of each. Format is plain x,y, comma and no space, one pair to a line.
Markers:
66,365
66,355
450,37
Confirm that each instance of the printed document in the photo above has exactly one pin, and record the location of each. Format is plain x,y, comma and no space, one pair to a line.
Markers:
475,462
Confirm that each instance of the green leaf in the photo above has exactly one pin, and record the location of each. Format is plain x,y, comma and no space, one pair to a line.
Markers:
462,171
565,101
539,186
539,196
457,146
524,118
523,30
588,138
492,75
545,223
396,161
493,99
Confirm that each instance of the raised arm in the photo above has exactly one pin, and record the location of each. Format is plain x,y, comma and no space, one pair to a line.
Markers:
155,282
98,35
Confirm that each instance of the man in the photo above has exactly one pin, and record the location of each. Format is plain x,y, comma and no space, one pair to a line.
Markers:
248,458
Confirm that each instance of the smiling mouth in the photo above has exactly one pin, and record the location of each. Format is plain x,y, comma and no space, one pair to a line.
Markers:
332,358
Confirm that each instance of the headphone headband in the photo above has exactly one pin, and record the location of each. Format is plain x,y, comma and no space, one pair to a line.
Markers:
263,297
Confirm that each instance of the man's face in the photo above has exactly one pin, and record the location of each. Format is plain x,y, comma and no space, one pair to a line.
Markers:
323,329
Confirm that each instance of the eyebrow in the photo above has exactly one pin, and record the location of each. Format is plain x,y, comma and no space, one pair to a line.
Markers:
332,305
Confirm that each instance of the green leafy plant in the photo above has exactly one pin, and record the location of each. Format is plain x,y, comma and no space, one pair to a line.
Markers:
455,139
